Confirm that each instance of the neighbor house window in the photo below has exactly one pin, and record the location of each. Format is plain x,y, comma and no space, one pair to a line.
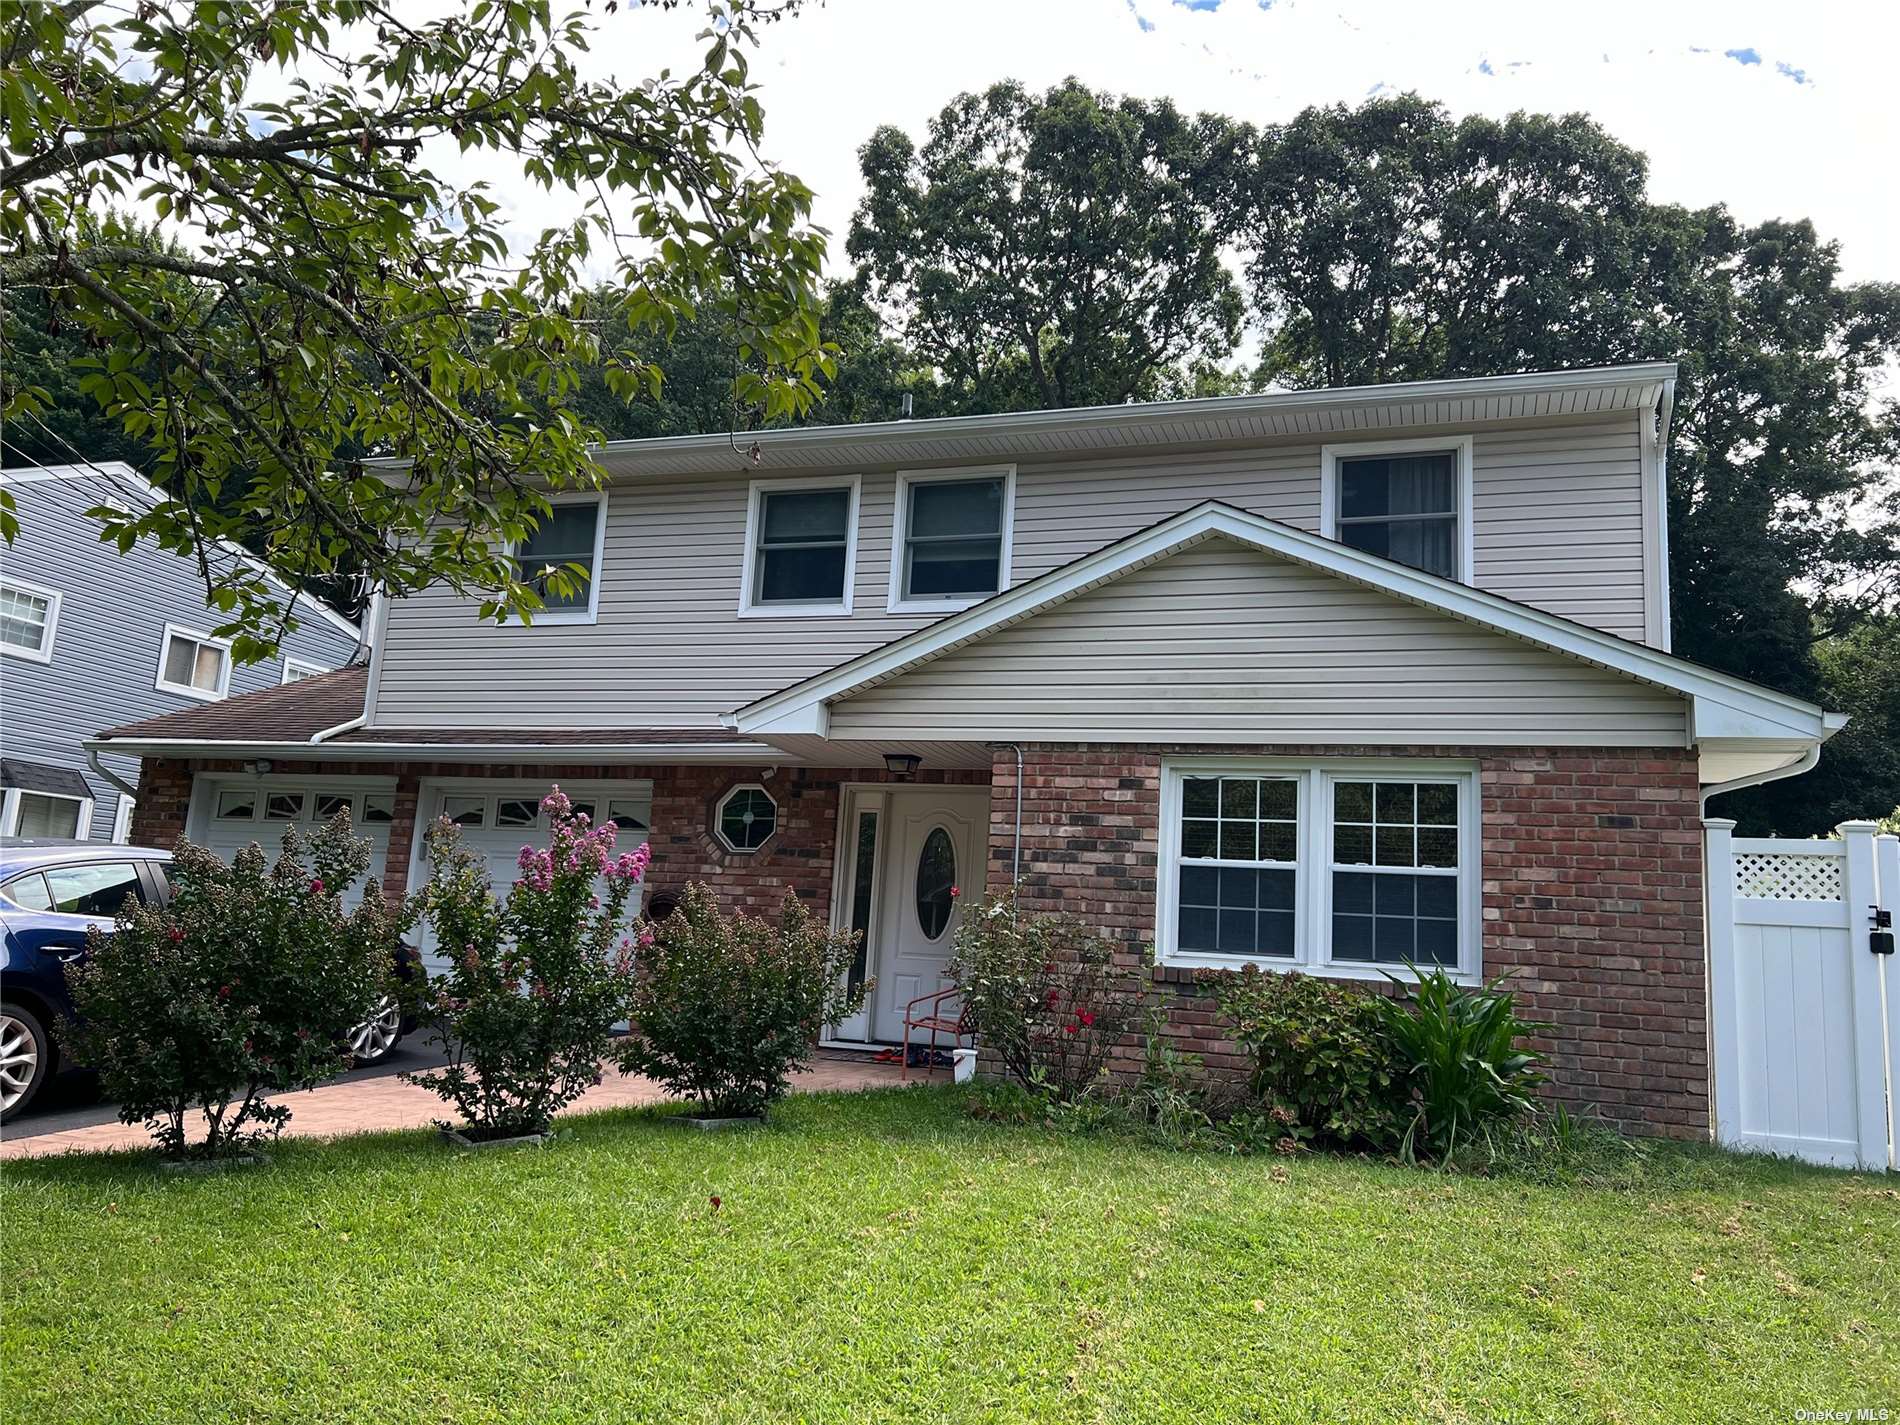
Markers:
745,818
952,538
1329,867
29,616
801,546
1407,503
194,664
296,670
42,814
569,534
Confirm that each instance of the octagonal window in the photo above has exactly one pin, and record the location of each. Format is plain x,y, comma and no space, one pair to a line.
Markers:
746,818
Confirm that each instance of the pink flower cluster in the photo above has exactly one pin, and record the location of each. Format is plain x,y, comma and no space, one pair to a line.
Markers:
578,849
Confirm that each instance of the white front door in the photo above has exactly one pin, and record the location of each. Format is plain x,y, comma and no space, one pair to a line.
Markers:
934,845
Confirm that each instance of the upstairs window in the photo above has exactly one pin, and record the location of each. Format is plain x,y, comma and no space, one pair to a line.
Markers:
297,669
28,617
953,536
193,664
1406,504
801,548
569,535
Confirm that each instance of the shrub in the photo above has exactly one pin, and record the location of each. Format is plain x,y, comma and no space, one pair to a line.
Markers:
1046,996
535,984
247,984
725,1008
1325,1065
1465,1073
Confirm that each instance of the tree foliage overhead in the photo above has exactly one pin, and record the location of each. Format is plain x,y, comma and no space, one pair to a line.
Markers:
326,294
1390,242
1052,250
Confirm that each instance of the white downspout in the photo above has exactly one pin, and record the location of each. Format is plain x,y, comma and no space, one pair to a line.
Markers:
1805,763
119,784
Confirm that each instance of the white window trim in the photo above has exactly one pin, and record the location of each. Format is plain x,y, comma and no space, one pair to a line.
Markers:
1460,445
900,520
186,690
719,817
591,613
1312,896
755,513
44,653
303,668
122,820
10,811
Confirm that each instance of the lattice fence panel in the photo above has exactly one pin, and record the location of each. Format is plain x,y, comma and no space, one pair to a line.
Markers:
1781,876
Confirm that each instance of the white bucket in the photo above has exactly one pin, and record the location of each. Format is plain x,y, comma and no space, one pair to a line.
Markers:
962,1065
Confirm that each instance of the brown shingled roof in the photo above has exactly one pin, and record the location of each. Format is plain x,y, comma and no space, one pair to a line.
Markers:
298,711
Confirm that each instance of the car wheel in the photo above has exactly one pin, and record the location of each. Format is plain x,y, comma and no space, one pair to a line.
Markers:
376,1038
25,1058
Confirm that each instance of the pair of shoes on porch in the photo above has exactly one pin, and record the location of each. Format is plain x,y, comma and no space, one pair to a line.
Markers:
887,1056
921,1057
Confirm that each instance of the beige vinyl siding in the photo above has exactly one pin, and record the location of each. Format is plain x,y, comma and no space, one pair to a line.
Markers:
668,649
1223,643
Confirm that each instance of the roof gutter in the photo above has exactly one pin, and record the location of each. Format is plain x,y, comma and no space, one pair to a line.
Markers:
719,753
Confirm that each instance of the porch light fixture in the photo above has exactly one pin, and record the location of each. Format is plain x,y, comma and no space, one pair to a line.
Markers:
902,765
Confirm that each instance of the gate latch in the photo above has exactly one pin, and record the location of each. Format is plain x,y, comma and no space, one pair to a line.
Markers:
1880,938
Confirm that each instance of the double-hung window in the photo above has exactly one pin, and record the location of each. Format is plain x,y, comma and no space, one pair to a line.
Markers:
951,542
565,545
801,548
1336,867
1406,501
297,669
193,664
29,616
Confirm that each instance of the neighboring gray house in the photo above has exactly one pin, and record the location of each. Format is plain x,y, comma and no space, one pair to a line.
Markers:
90,638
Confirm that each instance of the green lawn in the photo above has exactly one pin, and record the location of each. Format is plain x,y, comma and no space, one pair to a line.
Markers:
884,1257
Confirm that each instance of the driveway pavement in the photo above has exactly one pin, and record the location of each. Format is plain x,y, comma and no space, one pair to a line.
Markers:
372,1100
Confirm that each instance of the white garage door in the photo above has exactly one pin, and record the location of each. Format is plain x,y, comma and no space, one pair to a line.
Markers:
499,818
230,813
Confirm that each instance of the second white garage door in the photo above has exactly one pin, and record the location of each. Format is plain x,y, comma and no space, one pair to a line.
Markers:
499,818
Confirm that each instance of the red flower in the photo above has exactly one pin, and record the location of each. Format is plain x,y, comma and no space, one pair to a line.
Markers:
316,886
176,934
224,992
1053,996
1084,1018
1068,1029
955,891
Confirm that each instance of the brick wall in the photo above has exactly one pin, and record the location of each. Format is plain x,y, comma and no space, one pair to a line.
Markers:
799,856
1592,892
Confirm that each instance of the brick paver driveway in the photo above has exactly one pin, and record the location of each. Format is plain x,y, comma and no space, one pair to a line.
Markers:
375,1100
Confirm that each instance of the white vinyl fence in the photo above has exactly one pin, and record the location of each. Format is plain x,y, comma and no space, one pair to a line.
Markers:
1806,1016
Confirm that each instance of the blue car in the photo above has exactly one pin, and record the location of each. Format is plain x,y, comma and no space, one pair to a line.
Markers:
50,893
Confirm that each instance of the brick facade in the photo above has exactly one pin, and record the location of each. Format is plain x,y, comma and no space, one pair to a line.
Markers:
798,857
1592,894
1592,881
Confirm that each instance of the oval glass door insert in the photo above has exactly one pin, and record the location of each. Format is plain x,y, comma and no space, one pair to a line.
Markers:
936,878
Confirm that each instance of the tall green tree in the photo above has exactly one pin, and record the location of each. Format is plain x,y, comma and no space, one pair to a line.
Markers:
323,292
1390,242
1049,250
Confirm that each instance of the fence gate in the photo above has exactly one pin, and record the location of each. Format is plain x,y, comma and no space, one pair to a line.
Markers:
1806,1014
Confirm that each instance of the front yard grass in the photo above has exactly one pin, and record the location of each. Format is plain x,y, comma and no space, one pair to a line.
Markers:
885,1257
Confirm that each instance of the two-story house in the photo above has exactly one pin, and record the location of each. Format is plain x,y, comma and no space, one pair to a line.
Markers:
90,638
1326,680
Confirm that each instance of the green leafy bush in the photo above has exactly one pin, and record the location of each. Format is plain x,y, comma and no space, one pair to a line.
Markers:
247,984
1466,1074
535,984
1326,1068
725,1008
1047,996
